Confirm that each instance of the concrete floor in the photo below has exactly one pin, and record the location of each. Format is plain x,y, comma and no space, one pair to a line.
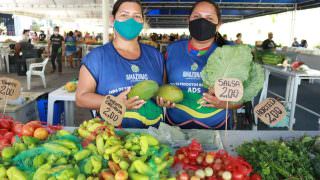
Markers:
308,95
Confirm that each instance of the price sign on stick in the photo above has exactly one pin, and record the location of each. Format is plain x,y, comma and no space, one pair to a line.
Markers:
9,88
228,89
112,110
270,111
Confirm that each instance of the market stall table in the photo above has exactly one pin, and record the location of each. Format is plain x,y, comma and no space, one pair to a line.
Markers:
312,60
22,109
293,81
62,95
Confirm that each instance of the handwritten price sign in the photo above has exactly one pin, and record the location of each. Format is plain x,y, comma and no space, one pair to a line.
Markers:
112,110
9,88
270,111
228,89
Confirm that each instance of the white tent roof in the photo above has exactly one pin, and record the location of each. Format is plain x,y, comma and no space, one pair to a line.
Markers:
54,9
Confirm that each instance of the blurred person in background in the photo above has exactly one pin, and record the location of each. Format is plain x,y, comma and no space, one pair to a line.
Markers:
239,39
56,49
26,36
71,48
295,43
184,36
304,43
269,44
225,37
79,41
42,36
34,37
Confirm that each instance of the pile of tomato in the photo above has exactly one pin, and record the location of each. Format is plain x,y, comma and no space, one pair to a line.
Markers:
197,164
10,130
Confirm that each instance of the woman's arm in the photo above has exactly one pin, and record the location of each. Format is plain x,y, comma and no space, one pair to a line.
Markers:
85,94
87,98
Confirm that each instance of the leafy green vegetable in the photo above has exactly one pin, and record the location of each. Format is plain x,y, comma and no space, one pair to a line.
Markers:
280,159
234,62
254,83
229,62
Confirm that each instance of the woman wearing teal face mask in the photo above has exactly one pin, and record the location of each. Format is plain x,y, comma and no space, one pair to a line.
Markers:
116,66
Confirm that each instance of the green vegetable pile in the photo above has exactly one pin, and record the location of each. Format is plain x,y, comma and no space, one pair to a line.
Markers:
94,151
298,159
234,62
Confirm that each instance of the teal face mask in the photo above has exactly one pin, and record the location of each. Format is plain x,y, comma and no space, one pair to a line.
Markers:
129,29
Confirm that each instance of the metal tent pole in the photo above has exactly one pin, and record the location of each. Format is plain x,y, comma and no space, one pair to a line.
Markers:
105,19
293,22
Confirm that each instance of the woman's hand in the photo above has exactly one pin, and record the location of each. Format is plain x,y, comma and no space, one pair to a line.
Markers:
212,101
163,103
132,103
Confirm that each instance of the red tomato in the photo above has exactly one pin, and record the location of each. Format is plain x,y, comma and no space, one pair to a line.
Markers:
5,124
226,162
9,135
216,166
219,161
193,154
229,167
212,178
244,170
256,177
186,161
180,156
4,143
17,129
27,130
3,131
236,175
183,176
13,140
34,124
195,145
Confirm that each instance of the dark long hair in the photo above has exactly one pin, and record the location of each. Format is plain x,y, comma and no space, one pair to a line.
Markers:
218,37
117,5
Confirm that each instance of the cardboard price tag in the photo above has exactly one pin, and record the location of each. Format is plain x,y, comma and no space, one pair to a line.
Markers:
228,89
112,110
9,88
270,111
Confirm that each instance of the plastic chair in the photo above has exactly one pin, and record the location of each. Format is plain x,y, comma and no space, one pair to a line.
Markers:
4,56
40,73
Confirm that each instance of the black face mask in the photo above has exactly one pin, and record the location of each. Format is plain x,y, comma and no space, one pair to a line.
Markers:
202,29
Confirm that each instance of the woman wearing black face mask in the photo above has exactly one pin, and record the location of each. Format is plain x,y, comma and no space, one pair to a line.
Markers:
184,62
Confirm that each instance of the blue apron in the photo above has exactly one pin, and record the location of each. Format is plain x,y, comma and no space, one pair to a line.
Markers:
114,74
183,70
